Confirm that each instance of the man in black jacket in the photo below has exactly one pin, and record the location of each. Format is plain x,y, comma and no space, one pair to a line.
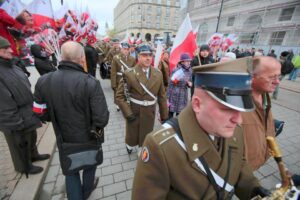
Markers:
17,121
41,60
77,107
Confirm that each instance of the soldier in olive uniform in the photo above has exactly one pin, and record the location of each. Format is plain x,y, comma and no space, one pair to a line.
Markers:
203,159
164,68
137,100
120,63
114,50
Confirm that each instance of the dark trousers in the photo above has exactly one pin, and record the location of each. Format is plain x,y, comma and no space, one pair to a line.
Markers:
171,114
76,190
22,147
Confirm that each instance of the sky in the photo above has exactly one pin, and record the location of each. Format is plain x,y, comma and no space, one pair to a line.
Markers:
101,10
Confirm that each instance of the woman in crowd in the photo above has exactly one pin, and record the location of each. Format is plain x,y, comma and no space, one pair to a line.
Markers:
181,79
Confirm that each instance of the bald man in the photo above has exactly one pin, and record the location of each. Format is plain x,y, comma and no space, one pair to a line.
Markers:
78,109
259,123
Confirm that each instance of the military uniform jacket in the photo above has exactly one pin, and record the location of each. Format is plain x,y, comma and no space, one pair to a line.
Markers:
164,68
171,173
116,67
145,115
111,53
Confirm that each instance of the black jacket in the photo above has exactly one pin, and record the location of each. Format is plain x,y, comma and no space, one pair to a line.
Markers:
77,100
91,59
15,99
204,61
41,62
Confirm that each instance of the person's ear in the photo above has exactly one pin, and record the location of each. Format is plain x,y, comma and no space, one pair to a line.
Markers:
83,63
196,103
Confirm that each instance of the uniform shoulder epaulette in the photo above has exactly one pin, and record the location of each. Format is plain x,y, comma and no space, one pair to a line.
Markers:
163,135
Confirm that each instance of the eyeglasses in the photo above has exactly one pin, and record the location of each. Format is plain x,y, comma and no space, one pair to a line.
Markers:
272,78
275,77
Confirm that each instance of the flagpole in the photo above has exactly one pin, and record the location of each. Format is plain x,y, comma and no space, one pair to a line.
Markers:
219,15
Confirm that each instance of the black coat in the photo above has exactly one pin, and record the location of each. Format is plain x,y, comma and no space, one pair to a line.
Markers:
16,100
77,99
42,63
91,59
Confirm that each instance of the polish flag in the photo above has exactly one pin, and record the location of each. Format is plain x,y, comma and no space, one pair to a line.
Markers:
158,53
42,12
39,108
184,42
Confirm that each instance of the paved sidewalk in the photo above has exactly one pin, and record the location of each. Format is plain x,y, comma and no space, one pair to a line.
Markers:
117,171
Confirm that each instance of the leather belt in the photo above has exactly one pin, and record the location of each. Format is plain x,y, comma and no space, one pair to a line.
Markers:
143,103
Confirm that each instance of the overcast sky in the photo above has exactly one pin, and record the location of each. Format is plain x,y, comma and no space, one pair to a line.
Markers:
101,10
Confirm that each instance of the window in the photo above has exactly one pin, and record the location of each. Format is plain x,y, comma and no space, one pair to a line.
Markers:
168,2
230,21
277,38
167,12
158,10
286,14
202,33
157,25
246,38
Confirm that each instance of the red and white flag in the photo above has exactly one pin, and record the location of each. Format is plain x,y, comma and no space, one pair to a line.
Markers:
42,12
184,42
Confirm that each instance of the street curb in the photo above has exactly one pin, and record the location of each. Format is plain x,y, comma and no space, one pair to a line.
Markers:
29,189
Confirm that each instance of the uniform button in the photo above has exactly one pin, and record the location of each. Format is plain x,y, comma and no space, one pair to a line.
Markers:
195,147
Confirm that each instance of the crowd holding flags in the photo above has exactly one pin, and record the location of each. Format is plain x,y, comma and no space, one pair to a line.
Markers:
67,24
47,29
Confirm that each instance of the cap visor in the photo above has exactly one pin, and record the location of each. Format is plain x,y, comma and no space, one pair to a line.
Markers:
239,103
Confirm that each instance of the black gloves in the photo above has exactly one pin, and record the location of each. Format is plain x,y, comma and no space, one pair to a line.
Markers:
261,191
131,118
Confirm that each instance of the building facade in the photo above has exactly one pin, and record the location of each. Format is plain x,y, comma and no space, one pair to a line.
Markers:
157,17
266,24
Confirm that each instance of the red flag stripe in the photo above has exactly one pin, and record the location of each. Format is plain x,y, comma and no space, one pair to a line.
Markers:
39,108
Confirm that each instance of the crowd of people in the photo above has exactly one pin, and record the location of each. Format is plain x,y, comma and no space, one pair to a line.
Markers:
208,146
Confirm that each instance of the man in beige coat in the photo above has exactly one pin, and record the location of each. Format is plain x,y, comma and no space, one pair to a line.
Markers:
204,158
257,125
120,63
137,100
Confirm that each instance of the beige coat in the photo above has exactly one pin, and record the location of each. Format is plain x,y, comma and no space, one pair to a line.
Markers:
137,130
256,128
171,173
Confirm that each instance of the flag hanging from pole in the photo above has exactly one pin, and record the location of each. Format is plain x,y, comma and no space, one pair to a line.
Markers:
42,13
184,42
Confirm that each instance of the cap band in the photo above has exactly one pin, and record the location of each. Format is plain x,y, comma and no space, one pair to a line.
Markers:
227,91
223,80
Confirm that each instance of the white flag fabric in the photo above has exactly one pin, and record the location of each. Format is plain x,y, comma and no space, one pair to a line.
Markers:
13,7
159,51
184,42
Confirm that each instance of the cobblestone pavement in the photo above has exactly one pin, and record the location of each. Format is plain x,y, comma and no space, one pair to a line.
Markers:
8,176
117,171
